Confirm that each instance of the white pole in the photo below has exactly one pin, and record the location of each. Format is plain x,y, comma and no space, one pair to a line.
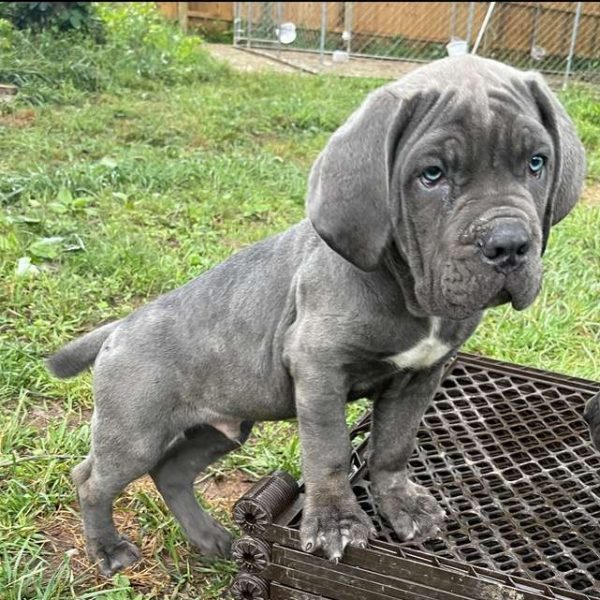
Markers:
323,33
573,44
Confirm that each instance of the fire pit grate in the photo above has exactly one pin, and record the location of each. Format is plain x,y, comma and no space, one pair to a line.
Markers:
506,452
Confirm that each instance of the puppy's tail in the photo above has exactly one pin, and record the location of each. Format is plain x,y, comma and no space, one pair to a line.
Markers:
80,353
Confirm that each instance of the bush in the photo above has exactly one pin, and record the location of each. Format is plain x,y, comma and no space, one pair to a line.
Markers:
61,16
6,34
151,47
139,49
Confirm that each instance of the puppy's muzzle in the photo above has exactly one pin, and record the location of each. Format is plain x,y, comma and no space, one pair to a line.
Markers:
505,245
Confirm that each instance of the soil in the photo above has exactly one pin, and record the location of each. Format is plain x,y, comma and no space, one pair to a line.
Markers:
64,534
18,119
289,61
591,194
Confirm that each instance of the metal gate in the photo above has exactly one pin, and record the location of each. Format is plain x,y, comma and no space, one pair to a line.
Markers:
561,39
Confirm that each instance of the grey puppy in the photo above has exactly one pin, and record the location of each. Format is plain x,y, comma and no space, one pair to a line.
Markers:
431,203
591,414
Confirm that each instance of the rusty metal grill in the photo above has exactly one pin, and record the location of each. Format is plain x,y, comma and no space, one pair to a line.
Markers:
507,454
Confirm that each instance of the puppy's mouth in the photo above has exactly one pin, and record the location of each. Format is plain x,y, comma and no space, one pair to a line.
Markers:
503,297
520,289
518,302
519,298
467,288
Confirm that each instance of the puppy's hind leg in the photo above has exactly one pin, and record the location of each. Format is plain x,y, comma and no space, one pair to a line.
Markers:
114,462
174,477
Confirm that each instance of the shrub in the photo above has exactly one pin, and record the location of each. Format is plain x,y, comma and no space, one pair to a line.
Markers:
139,49
62,16
6,34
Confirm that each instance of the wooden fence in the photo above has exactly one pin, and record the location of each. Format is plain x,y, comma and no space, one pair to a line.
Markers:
514,27
190,13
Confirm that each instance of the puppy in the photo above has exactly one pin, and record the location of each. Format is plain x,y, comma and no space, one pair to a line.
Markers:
433,202
591,415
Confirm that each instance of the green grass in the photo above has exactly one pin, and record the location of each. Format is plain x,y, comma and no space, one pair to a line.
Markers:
119,194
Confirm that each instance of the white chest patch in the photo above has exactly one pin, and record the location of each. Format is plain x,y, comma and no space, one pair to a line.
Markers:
425,353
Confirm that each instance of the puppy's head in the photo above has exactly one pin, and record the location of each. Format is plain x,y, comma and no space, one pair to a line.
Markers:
458,171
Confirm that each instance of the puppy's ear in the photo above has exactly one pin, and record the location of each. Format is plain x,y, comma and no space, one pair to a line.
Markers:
569,172
349,184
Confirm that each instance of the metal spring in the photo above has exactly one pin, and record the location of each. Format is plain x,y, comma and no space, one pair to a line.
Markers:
251,555
249,587
259,507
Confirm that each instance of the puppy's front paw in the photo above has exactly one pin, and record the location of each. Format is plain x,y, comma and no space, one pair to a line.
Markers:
333,524
412,511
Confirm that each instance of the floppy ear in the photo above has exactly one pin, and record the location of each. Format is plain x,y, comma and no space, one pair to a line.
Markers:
348,187
569,172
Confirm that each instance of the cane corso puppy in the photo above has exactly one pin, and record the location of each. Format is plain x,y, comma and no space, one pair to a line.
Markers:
433,202
591,415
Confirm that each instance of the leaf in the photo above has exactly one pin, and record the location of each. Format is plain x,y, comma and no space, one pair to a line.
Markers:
76,245
22,219
75,20
25,268
108,162
58,208
5,198
48,248
80,203
64,196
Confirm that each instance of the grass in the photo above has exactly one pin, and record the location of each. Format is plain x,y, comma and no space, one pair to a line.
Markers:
121,193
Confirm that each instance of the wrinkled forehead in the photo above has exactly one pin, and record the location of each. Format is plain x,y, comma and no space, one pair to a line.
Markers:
496,101
479,117
470,77
486,104
470,88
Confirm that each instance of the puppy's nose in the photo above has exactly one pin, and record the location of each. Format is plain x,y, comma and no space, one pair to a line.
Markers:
506,244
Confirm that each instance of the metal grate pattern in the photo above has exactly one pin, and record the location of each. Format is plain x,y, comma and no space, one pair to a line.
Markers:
506,452
509,458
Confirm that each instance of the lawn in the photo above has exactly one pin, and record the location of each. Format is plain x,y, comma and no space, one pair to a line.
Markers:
119,194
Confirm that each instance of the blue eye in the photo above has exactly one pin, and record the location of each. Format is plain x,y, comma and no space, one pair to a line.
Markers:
536,164
431,175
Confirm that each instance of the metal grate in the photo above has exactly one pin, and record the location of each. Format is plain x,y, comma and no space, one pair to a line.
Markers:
508,457
506,452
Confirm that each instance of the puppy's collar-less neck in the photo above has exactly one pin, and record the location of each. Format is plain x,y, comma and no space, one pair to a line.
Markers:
397,266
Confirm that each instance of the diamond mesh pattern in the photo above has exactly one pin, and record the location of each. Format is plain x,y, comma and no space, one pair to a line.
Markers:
508,456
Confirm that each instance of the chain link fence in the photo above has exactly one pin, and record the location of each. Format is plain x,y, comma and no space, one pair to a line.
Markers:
561,39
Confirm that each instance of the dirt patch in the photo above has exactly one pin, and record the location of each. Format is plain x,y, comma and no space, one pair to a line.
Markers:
591,194
288,61
52,411
19,119
41,417
222,491
63,533
244,61
64,537
353,67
